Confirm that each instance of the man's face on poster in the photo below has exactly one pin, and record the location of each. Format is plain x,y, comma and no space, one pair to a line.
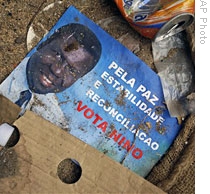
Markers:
58,64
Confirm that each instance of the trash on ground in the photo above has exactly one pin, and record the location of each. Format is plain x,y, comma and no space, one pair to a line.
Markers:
84,81
172,58
148,16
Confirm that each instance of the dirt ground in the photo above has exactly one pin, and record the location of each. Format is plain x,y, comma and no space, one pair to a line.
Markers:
18,16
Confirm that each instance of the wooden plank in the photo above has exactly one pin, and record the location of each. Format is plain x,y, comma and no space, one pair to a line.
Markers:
42,146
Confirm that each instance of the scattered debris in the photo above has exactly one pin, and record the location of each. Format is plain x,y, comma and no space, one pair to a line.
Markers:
172,58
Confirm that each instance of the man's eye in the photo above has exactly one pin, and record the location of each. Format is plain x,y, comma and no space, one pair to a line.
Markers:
54,51
56,54
68,68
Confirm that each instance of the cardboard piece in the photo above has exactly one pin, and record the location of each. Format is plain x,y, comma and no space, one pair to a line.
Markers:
8,114
42,146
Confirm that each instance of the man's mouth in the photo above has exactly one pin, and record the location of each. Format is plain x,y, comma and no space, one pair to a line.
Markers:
45,81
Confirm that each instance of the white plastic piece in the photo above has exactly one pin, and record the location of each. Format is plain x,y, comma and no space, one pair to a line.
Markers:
5,133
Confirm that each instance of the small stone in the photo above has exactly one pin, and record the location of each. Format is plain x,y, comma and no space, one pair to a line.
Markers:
20,39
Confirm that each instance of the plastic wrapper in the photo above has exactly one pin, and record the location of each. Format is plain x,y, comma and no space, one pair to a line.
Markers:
174,64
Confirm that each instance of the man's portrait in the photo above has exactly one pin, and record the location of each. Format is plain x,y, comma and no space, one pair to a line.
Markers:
61,59
70,53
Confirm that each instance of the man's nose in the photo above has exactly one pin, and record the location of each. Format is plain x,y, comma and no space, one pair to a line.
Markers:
58,68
